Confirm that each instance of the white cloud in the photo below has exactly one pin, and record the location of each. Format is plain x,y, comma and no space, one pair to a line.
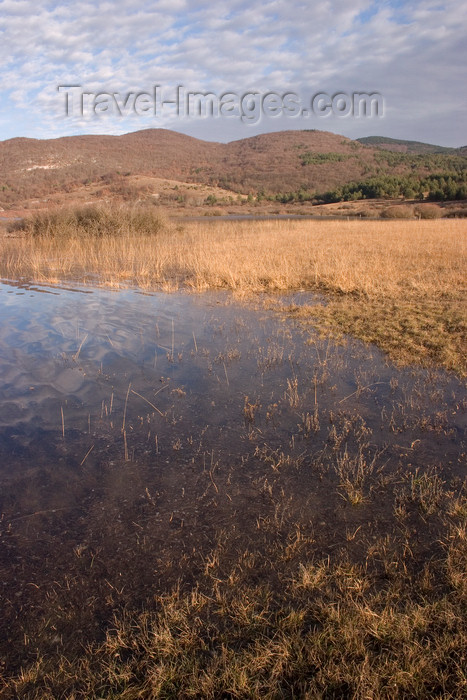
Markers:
414,53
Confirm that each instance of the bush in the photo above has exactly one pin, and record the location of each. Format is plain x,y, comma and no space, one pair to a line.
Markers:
400,211
456,214
428,211
15,226
93,221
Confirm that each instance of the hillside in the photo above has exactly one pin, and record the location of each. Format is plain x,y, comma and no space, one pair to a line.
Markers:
403,146
285,161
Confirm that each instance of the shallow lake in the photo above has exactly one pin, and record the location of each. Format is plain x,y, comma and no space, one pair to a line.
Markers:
135,428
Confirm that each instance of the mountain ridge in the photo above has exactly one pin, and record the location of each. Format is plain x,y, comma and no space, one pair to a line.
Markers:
407,146
275,162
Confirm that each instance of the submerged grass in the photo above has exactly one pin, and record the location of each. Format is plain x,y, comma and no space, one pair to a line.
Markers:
400,285
326,628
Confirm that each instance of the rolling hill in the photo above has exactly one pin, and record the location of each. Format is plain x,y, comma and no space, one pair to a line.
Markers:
402,146
285,161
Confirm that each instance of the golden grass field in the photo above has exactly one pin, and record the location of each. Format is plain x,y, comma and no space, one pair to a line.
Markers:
400,284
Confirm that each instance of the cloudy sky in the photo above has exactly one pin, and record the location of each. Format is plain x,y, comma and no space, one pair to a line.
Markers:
412,54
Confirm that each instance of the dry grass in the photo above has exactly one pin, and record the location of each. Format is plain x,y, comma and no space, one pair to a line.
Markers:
364,602
89,221
331,628
310,600
398,284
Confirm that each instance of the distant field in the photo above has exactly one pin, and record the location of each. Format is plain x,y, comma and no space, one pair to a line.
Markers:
400,284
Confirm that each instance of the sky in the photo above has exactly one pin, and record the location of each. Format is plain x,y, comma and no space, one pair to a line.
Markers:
269,66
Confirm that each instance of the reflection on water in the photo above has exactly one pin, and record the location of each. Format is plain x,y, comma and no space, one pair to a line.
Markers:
73,361
134,426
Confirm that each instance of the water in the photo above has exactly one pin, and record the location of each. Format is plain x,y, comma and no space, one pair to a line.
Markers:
135,428
130,375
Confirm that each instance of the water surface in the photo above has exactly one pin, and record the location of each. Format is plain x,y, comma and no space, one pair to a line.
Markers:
136,428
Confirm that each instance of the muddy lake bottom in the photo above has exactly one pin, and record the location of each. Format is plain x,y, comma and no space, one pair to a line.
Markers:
141,432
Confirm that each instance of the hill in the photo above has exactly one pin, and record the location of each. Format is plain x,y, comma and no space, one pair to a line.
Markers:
402,146
286,161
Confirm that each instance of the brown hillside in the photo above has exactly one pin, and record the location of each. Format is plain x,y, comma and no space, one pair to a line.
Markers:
278,162
404,146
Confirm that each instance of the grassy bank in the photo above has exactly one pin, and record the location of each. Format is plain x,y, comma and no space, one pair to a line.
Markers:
400,284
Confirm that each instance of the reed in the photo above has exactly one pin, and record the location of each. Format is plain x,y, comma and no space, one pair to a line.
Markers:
400,284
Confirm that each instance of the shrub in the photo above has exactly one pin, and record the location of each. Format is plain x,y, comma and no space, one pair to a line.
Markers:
15,226
456,214
428,211
400,211
366,213
93,221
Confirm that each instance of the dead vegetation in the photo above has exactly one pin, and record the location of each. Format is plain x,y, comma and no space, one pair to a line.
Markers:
325,561
400,285
90,222
373,617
